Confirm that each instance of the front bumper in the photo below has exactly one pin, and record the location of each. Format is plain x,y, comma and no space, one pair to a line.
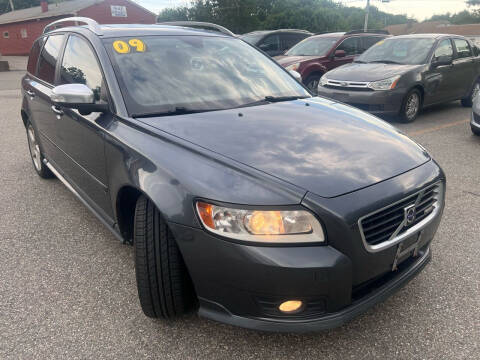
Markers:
475,119
243,284
375,102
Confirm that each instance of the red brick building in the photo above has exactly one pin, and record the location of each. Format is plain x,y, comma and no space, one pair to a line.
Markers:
18,29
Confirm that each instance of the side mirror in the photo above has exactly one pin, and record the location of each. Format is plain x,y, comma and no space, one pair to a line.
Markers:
340,53
442,61
76,96
296,75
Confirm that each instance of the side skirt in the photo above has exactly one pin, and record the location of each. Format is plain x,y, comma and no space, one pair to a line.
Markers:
84,202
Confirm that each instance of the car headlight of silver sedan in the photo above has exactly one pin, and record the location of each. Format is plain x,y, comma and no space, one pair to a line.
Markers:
258,225
385,84
323,80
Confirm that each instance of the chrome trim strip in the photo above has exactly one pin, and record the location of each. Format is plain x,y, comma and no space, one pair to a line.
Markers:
348,84
394,239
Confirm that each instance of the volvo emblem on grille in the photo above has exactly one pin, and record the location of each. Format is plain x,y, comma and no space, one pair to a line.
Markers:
410,214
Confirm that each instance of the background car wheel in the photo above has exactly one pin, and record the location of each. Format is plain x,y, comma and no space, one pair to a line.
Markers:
411,106
475,131
36,154
468,101
312,82
164,286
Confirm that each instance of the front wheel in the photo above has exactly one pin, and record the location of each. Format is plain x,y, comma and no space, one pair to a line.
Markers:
164,286
468,101
312,83
410,106
36,154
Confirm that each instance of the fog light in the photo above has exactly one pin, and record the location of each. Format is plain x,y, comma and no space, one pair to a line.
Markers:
291,306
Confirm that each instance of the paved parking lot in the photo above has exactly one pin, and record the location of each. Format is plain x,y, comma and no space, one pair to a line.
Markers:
67,286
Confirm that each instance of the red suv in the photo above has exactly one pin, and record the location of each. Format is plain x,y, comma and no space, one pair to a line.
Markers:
318,54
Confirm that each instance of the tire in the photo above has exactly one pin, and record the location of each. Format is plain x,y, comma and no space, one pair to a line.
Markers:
411,105
36,154
475,131
164,286
312,82
468,101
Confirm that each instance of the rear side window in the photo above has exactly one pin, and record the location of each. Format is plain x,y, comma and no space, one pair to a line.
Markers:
463,49
288,40
49,57
351,46
369,41
80,66
34,54
271,43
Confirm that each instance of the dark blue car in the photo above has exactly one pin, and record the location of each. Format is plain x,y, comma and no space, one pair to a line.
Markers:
245,198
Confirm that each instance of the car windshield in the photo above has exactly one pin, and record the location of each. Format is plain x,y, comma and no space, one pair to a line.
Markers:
252,38
181,74
315,46
405,51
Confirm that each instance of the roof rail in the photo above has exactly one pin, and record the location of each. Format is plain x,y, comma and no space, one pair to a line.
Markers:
199,24
92,24
367,31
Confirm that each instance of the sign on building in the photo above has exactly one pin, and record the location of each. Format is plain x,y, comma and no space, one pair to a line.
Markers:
118,11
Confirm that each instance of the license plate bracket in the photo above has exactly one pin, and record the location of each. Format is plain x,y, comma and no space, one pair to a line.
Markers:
401,251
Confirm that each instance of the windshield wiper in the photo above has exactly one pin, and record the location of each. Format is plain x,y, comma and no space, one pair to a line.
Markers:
385,62
176,111
273,99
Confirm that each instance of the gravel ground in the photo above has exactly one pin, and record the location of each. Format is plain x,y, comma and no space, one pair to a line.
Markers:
67,286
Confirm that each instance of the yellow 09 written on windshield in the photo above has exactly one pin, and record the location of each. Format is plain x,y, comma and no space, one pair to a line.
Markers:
124,47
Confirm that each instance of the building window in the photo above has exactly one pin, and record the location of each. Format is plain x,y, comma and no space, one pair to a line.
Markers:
6,35
118,11
23,33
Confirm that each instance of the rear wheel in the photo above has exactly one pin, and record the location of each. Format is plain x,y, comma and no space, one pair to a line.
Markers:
36,154
410,106
164,286
468,101
312,82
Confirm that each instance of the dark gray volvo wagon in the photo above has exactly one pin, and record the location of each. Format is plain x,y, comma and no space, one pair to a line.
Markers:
244,197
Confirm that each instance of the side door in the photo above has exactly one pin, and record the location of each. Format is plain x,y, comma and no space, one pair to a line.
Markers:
81,136
38,86
440,80
271,45
352,47
464,68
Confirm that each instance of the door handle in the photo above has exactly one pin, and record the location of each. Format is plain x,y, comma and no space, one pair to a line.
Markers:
30,93
57,111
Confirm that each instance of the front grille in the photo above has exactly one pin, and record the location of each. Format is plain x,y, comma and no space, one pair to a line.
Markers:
391,222
347,88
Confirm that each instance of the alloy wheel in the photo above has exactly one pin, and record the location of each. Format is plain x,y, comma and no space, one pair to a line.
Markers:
412,106
475,91
34,148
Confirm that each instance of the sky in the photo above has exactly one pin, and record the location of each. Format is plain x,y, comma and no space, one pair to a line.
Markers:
418,9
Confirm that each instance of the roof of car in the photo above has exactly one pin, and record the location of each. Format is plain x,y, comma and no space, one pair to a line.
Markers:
124,30
420,36
259,32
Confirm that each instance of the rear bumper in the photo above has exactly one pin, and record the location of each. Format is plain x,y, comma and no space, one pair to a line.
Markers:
217,312
375,102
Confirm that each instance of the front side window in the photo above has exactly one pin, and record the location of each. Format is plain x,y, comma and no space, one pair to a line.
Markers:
271,43
463,49
369,41
314,46
351,46
160,74
49,57
80,66
444,48
406,51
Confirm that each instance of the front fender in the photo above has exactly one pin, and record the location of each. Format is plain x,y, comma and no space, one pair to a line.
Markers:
173,173
313,68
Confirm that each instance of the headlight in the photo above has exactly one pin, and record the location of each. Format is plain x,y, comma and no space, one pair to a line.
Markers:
323,80
268,226
386,84
293,67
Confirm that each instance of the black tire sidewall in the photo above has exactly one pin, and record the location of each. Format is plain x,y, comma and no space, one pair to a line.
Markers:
313,78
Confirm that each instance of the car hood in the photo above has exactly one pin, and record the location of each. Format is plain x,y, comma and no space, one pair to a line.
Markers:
317,144
369,72
285,60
